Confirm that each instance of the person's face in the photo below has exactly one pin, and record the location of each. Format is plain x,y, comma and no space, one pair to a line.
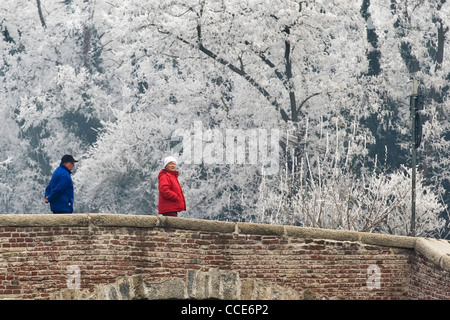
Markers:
69,165
171,166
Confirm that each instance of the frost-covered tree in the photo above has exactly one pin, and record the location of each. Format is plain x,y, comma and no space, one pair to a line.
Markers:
418,32
53,91
250,61
115,82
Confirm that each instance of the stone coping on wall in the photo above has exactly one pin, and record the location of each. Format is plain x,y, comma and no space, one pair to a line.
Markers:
436,250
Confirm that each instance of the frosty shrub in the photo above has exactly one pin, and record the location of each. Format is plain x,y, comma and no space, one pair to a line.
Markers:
336,199
340,192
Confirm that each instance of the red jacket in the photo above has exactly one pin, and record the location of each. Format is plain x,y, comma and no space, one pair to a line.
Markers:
171,197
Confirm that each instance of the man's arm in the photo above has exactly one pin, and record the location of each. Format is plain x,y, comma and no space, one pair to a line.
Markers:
62,185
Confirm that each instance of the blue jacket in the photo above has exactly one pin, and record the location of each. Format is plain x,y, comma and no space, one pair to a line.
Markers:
60,190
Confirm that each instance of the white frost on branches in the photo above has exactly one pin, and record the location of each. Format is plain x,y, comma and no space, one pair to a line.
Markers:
110,81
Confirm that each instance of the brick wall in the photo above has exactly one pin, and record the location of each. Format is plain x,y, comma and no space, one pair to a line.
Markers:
44,255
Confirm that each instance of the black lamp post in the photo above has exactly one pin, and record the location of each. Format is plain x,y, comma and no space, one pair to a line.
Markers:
416,104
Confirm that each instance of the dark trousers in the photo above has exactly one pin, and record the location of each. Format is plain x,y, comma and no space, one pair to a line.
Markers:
170,214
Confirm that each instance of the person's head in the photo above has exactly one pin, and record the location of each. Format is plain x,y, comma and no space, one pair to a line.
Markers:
68,161
170,163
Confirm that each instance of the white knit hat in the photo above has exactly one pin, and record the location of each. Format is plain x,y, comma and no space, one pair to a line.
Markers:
169,159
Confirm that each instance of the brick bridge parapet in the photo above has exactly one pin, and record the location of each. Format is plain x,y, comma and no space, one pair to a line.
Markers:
117,256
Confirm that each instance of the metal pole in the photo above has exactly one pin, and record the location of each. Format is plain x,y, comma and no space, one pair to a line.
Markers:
414,157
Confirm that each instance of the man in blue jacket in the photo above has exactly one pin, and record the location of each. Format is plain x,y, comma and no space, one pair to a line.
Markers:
59,192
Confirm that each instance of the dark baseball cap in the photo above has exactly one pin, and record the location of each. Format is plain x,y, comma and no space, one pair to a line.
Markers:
68,158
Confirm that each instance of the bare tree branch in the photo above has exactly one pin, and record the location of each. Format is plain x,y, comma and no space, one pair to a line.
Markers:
41,16
231,66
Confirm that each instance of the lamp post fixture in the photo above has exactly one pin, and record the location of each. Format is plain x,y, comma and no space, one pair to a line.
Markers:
416,104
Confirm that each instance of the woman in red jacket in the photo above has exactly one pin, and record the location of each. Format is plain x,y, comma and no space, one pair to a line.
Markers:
171,198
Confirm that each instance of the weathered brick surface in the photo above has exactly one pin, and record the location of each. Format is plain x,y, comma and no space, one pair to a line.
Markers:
35,254
427,280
